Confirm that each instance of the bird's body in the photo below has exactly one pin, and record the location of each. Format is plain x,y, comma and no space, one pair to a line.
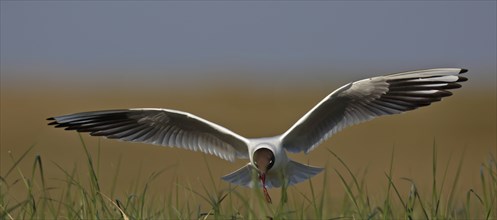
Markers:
352,103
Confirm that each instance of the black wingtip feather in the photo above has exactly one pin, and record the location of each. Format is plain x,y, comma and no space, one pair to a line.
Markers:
462,79
443,93
57,125
53,123
463,71
452,86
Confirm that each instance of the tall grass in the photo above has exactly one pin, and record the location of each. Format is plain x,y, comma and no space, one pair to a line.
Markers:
83,198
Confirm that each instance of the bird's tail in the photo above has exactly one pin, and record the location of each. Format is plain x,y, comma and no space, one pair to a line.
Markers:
245,176
297,172
294,173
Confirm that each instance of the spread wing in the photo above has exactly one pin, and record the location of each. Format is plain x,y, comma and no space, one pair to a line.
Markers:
160,127
367,99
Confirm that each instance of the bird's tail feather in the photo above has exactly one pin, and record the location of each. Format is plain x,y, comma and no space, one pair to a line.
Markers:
242,176
297,172
294,173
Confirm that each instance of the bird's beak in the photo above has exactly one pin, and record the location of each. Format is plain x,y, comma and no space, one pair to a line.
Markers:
262,176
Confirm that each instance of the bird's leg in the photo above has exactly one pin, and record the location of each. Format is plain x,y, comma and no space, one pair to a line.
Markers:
266,194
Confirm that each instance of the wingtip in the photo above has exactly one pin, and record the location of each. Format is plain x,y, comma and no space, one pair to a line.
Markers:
462,79
52,121
463,71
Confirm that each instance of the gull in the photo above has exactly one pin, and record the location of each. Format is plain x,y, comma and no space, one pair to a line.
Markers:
350,104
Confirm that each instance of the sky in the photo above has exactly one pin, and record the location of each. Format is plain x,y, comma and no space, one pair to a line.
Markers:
160,42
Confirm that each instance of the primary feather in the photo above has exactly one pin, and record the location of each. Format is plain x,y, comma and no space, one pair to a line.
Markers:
366,99
160,127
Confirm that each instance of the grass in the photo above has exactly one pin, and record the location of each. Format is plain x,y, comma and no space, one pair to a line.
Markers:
81,197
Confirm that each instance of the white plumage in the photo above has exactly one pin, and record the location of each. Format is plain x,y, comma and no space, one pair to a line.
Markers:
352,103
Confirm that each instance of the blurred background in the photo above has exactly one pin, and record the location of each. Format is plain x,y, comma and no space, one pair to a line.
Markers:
253,67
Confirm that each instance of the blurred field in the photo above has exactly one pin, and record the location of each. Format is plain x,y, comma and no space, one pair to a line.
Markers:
464,124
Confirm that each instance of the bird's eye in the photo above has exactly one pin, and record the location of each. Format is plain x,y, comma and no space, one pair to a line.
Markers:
271,161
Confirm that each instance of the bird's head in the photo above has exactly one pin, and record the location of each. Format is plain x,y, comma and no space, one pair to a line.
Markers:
263,160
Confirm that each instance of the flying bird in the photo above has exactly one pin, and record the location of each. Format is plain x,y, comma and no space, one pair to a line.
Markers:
350,104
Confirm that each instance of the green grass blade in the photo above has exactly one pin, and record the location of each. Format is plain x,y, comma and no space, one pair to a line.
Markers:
452,193
359,190
435,198
16,162
348,190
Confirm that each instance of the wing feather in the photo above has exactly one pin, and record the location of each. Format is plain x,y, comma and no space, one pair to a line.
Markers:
366,99
160,127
